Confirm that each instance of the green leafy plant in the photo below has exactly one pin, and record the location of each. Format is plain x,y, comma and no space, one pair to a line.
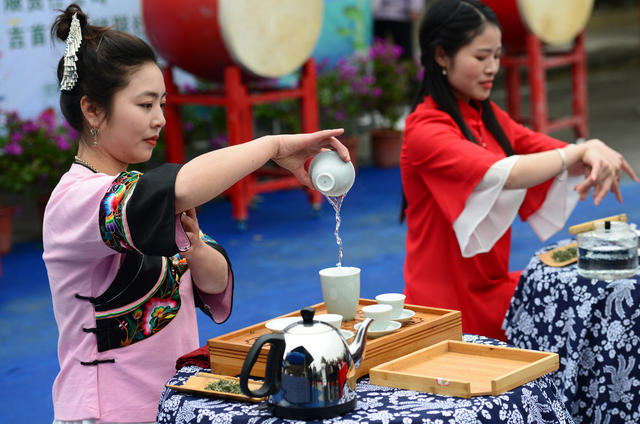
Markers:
393,81
34,153
343,92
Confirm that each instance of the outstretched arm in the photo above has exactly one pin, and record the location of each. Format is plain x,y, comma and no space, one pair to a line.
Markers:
210,174
602,166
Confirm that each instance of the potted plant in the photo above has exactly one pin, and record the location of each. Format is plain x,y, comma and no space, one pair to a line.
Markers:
393,82
34,153
344,91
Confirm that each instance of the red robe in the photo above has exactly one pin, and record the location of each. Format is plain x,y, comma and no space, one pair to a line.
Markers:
440,169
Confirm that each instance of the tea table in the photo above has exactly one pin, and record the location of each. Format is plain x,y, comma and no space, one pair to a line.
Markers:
534,402
594,326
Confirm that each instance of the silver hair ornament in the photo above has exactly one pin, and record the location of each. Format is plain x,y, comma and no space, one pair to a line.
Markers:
70,74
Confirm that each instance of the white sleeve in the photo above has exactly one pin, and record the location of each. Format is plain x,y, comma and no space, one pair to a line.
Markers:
558,205
489,210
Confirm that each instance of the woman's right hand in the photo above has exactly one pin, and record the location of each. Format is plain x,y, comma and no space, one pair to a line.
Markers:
603,168
293,150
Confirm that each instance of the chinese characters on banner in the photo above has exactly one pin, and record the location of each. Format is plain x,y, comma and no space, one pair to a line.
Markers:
28,57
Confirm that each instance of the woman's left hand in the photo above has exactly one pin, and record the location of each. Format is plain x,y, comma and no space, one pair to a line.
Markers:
603,168
189,221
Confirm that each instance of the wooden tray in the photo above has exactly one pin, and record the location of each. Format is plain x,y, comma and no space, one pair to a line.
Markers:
547,257
196,385
428,326
464,369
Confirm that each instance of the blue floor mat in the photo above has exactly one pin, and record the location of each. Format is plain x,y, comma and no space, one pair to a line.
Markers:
276,262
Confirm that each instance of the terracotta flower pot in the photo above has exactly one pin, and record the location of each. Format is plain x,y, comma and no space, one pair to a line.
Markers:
386,145
6,217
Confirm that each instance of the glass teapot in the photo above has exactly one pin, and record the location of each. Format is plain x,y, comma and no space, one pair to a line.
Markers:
608,252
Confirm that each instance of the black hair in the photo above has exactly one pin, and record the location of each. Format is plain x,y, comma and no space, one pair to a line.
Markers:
106,60
451,25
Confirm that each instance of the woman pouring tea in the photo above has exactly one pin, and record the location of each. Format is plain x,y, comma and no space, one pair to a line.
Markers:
468,169
126,260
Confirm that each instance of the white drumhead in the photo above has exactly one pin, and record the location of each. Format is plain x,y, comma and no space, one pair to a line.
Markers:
555,21
270,38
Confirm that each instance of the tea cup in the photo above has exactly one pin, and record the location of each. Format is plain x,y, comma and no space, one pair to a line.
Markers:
331,175
341,290
396,300
377,312
334,320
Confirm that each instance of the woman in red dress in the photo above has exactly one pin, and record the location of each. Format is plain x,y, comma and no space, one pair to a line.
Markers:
468,169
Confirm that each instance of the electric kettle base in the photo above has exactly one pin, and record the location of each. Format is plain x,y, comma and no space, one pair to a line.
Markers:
313,413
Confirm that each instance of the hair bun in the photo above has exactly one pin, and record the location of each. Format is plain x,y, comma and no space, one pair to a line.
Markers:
62,24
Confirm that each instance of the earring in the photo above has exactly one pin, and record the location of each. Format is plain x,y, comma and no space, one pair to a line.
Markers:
444,71
94,133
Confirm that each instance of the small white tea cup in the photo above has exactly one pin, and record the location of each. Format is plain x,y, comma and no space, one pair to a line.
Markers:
331,175
377,312
331,319
396,300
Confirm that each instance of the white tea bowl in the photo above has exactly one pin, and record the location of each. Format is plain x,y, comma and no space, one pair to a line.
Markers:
331,319
396,300
377,312
331,175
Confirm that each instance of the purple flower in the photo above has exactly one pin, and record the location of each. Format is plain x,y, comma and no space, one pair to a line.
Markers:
188,88
13,149
339,115
188,126
376,92
16,137
48,118
396,51
73,134
13,117
62,142
368,79
218,141
30,126
322,65
420,74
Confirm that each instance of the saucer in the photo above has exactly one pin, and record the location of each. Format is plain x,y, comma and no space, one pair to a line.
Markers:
380,328
405,315
279,324
346,334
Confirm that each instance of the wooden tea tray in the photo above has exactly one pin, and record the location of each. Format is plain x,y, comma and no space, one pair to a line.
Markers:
196,385
428,326
464,369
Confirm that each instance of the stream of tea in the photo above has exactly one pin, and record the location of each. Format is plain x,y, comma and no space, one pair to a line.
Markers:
336,202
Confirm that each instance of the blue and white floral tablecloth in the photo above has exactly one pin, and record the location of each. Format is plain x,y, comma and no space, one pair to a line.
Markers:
593,325
536,402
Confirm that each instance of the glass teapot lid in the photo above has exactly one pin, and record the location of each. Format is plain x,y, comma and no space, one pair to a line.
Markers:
610,231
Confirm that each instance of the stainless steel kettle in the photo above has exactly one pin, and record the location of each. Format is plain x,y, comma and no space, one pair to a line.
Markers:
310,370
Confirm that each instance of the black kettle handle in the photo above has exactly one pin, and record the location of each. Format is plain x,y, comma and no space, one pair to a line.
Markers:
272,375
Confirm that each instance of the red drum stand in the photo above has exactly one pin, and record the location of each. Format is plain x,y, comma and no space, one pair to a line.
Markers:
237,99
537,62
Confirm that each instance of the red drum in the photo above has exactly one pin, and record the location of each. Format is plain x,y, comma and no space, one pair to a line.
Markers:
555,22
266,38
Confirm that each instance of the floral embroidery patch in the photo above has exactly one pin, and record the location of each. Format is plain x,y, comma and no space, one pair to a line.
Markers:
112,225
136,321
